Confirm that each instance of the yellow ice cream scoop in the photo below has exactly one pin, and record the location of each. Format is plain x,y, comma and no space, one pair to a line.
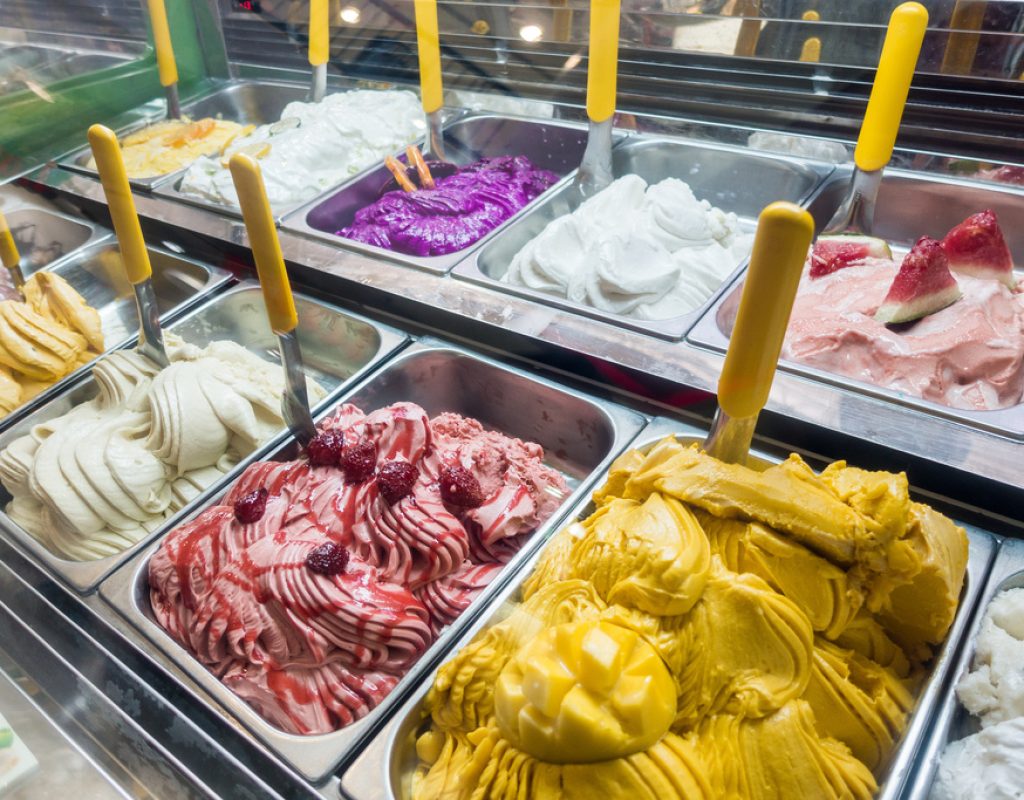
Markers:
583,692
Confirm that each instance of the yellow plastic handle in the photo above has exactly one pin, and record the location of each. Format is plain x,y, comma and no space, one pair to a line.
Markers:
110,165
892,85
428,44
319,32
266,248
165,62
9,255
784,233
603,62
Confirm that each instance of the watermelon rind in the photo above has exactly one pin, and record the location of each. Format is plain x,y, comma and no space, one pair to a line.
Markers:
921,306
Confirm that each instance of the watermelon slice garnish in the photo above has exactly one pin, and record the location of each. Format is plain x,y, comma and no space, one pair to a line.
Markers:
832,253
923,285
976,247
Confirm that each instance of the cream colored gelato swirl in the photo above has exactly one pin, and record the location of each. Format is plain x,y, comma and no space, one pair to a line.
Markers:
650,252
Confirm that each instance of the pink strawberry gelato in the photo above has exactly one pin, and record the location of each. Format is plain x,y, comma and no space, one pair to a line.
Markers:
969,355
314,646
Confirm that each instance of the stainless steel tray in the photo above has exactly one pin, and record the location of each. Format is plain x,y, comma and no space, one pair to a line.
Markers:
953,722
733,179
580,434
46,237
557,146
382,769
909,206
97,273
245,102
338,348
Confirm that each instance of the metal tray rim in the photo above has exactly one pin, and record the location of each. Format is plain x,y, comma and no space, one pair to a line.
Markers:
97,233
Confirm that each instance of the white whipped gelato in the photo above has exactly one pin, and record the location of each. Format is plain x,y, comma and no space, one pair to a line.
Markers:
96,480
314,146
649,252
989,765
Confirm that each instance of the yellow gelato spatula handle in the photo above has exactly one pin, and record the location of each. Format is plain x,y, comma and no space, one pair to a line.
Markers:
110,165
9,255
319,32
603,62
784,233
266,248
428,45
892,85
165,62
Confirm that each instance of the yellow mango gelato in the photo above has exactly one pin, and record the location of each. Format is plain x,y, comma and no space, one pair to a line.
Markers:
173,144
711,630
43,338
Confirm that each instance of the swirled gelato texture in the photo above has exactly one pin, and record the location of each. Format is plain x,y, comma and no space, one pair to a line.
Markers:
649,252
774,602
46,337
172,145
989,765
314,643
313,147
968,355
462,208
98,479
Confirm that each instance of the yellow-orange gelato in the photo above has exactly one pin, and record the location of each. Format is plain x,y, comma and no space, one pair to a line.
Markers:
793,615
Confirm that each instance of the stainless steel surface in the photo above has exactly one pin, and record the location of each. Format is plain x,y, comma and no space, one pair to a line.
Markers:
857,213
295,402
549,145
595,172
580,434
34,67
318,88
730,437
382,771
173,101
245,102
98,275
739,181
953,722
45,237
151,337
435,136
340,348
909,206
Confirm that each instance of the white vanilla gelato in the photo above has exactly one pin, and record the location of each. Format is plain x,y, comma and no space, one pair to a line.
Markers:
98,479
314,146
649,252
989,765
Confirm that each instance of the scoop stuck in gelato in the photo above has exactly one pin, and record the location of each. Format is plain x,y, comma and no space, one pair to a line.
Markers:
317,583
46,337
98,479
313,147
755,606
170,145
466,203
649,252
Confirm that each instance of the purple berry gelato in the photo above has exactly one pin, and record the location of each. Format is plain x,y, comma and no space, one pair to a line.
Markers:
467,204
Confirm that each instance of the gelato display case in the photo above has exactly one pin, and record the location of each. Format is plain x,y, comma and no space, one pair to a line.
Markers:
499,558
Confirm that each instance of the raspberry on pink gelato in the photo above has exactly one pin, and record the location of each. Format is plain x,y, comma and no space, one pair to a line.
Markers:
312,637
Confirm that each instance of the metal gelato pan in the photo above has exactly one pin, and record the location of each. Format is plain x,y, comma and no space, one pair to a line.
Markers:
909,206
953,722
97,274
338,347
384,768
45,237
735,180
556,146
581,435
245,102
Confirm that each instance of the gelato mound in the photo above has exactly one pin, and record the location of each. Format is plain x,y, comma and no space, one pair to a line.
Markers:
172,144
98,479
759,608
463,207
43,339
312,607
649,252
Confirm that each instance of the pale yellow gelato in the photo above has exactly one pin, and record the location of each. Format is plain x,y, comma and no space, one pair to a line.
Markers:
44,338
710,631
